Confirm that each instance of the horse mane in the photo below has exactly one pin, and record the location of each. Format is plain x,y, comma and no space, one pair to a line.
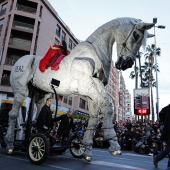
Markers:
117,21
127,20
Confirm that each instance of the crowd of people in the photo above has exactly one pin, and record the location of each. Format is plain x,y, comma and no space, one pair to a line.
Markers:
134,134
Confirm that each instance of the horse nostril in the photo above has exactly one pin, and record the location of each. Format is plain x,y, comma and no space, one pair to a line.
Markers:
118,66
129,62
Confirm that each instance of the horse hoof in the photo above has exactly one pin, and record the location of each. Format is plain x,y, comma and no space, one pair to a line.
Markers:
10,151
116,152
88,158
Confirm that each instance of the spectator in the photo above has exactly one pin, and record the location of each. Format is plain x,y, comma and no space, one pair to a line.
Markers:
165,137
44,120
65,126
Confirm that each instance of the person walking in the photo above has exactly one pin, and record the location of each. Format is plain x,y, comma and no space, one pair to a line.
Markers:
66,124
44,119
165,137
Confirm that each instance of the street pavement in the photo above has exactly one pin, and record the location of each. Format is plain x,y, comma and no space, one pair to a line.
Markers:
102,160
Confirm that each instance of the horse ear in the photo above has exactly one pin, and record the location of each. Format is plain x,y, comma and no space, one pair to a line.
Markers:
150,35
144,26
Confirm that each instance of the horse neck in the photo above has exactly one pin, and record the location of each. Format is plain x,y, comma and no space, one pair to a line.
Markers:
103,39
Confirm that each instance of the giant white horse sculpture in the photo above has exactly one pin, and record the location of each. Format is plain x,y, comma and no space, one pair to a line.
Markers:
85,71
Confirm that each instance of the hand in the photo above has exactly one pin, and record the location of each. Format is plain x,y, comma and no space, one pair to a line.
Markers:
164,143
52,47
45,127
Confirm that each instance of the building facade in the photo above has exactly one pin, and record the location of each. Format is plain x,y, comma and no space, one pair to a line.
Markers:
27,27
122,97
112,90
128,110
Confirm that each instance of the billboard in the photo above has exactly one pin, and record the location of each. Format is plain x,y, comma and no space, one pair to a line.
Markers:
142,101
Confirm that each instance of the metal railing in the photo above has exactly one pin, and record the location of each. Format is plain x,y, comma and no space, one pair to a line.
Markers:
5,81
23,25
20,43
11,60
26,9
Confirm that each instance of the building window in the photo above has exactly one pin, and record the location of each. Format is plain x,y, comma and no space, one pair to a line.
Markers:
1,24
3,9
58,30
87,107
82,103
63,36
57,42
70,44
41,8
65,100
74,46
5,78
70,101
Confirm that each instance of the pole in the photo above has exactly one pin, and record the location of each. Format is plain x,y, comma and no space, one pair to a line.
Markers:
30,114
156,64
140,78
56,98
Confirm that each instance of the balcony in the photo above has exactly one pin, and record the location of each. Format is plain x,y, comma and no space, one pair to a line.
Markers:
5,81
26,9
20,44
11,60
21,25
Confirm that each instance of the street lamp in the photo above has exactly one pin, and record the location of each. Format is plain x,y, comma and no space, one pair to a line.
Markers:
157,94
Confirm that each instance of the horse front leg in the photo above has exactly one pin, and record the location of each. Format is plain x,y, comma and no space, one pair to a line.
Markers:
109,132
88,136
13,115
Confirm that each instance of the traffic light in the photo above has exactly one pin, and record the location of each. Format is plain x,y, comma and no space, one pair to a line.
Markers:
141,105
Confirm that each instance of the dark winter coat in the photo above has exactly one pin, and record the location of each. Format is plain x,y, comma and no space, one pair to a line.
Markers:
44,118
137,136
65,126
166,130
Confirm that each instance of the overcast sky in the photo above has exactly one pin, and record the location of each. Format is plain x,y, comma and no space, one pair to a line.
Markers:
85,16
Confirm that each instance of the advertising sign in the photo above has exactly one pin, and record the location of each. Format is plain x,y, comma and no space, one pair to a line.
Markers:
142,101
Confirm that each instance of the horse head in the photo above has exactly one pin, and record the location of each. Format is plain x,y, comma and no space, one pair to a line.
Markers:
129,39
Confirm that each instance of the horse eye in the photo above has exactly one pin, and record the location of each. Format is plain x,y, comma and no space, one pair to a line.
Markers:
136,35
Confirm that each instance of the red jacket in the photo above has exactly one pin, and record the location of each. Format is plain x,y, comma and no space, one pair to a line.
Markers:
52,58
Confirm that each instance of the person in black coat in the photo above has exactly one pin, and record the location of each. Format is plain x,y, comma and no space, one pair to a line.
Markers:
45,117
66,124
165,137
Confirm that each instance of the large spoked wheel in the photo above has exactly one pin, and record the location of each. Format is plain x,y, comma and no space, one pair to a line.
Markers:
76,147
38,149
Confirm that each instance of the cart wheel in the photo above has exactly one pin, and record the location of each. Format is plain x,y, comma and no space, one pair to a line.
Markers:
38,149
76,147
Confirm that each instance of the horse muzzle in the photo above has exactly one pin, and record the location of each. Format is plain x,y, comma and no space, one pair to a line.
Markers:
122,64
